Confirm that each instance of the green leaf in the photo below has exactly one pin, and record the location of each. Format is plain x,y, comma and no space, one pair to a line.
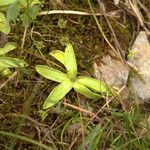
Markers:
6,72
7,2
51,73
4,24
59,55
2,66
10,62
24,18
32,11
70,62
29,14
94,84
85,91
13,12
58,93
7,48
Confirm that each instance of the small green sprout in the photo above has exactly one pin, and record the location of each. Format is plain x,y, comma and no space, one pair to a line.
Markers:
132,54
62,23
6,63
89,87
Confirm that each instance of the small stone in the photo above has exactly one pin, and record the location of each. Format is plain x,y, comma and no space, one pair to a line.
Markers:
141,60
113,72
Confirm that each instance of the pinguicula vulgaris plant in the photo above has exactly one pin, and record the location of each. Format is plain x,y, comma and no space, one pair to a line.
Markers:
89,87
6,63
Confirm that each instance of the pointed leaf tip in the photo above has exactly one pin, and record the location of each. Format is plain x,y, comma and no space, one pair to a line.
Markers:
94,84
7,48
58,93
59,55
70,62
85,91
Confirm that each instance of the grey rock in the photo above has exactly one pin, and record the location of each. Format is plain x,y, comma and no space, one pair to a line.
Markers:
115,73
141,60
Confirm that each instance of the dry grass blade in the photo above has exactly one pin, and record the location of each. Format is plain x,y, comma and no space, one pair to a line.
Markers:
118,47
133,7
144,8
78,108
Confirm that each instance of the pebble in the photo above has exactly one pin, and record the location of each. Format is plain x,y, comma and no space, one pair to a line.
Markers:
111,71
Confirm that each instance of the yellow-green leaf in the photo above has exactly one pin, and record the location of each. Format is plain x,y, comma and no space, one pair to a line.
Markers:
59,55
58,93
94,84
85,91
3,66
51,73
6,72
7,48
7,2
4,24
10,62
70,62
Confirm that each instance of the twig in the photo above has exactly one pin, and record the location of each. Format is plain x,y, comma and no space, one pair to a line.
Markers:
137,13
118,47
78,108
100,29
73,12
24,36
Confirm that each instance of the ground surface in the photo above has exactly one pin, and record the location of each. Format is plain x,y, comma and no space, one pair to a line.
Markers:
76,122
